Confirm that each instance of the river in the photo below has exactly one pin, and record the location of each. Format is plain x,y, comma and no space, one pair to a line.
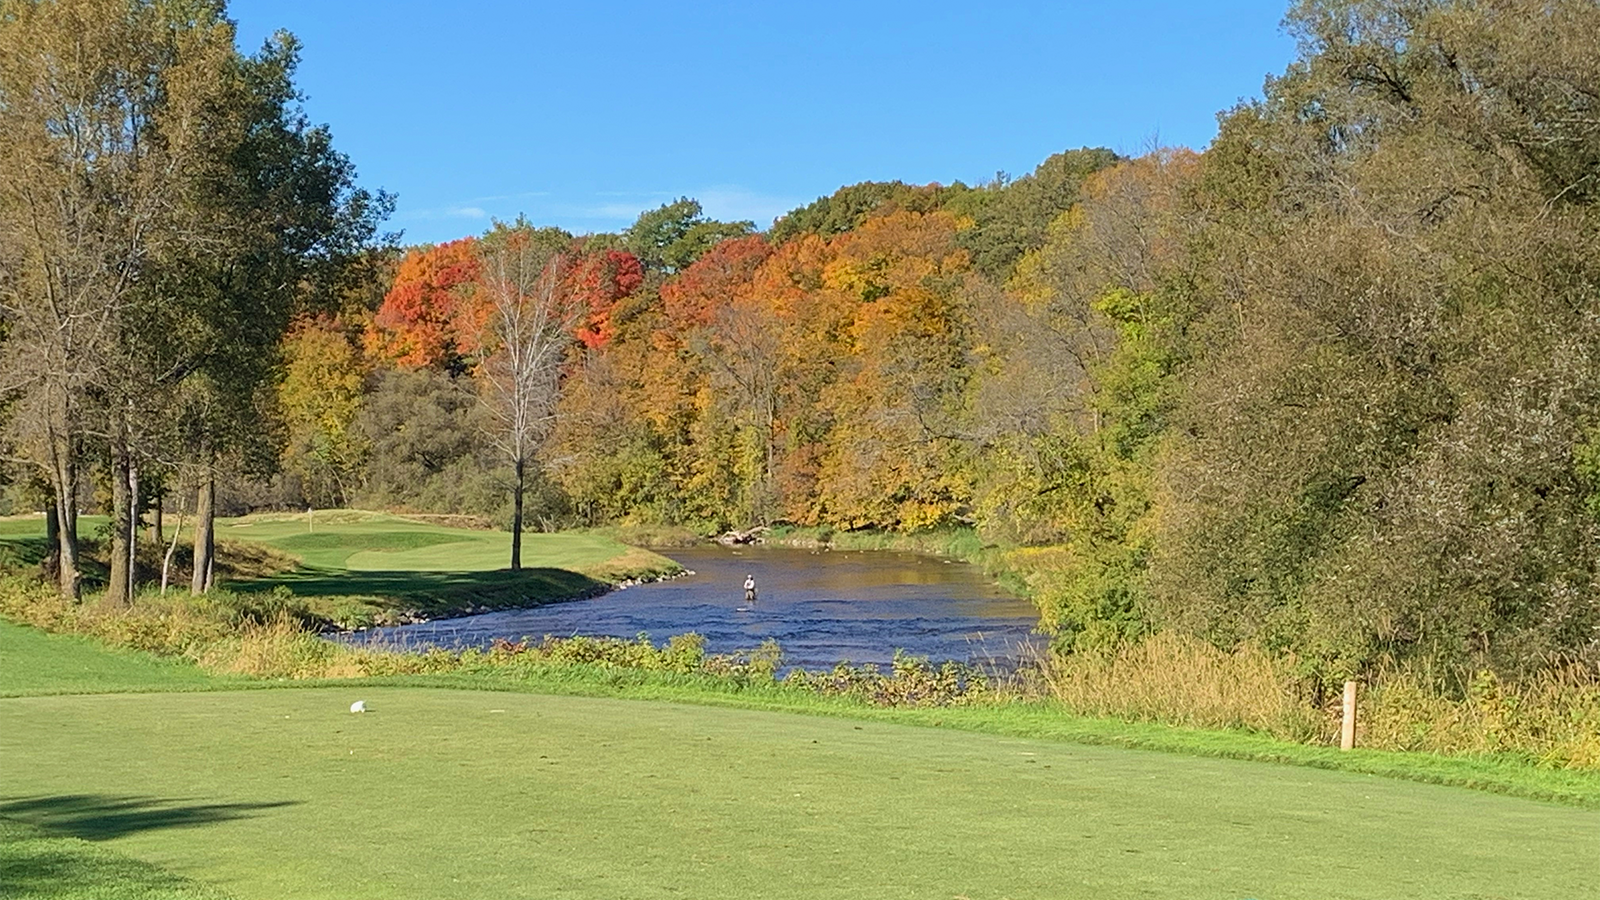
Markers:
822,607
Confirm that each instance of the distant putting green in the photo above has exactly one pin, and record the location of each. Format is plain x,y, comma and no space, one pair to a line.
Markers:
374,542
359,568
363,568
439,793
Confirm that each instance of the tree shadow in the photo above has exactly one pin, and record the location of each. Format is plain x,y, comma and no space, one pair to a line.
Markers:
436,592
99,817
34,863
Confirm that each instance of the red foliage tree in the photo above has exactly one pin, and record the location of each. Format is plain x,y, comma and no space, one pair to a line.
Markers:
429,317
600,280
715,279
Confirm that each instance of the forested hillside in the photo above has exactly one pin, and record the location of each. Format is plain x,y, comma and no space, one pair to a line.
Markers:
1330,387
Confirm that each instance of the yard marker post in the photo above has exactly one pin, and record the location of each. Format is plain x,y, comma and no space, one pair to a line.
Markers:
1347,731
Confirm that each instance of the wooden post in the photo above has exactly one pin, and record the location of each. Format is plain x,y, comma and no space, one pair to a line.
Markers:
1347,731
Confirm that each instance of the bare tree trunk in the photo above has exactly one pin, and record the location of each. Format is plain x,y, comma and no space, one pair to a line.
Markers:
205,541
52,540
135,506
64,472
166,561
156,531
122,524
516,518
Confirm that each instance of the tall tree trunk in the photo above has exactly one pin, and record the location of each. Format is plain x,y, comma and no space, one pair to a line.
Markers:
205,540
135,506
516,519
64,472
122,515
156,533
52,540
64,482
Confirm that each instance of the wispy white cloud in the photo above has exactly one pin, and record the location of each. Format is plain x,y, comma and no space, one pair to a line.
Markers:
731,202
600,210
725,202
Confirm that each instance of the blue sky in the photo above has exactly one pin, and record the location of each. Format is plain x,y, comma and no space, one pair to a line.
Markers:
581,115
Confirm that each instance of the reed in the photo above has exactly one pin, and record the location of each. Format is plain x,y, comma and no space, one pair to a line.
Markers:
1180,680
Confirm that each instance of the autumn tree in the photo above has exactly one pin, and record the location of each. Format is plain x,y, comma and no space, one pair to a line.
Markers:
103,108
894,457
320,396
601,279
429,316
532,314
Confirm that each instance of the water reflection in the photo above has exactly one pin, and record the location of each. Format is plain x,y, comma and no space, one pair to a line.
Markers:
821,606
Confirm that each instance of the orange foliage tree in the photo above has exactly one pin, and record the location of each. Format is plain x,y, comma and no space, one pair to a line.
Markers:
430,316
600,280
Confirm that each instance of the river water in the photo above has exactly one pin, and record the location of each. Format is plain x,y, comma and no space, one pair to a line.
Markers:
823,607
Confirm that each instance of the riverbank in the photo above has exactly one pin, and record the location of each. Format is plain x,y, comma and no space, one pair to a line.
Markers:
586,781
41,664
350,569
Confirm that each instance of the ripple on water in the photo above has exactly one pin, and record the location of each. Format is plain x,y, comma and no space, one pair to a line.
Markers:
821,608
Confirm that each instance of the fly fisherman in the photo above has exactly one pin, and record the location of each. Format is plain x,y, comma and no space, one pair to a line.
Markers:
750,589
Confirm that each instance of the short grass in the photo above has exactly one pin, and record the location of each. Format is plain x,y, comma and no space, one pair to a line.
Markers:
33,662
359,568
450,793
35,863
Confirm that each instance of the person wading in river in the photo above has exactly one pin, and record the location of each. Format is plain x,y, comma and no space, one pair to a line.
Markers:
750,589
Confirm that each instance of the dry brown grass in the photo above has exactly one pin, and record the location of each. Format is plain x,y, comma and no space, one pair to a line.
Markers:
1552,717
1181,680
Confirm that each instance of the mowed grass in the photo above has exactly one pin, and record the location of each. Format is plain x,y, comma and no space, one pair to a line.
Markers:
33,662
370,567
369,542
282,792
359,568
35,863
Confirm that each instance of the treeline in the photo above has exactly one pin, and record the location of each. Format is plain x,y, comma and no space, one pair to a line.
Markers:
165,211
1328,388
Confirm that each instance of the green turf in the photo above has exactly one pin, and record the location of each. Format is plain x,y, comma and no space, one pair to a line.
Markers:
32,525
33,662
38,864
438,793
369,564
455,793
369,542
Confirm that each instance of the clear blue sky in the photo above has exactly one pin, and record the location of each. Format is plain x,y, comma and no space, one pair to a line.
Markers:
582,114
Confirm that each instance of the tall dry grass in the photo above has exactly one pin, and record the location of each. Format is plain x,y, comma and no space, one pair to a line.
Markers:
1551,717
1180,680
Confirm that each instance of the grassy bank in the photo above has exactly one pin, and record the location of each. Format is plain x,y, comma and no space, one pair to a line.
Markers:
353,569
1549,718
575,780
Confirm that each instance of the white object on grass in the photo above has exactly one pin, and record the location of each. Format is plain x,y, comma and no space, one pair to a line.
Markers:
359,706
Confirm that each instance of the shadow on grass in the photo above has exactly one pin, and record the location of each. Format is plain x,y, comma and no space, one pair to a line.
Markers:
17,552
436,592
99,817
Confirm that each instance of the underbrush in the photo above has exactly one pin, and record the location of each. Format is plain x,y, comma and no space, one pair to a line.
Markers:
274,635
653,537
1551,718
956,542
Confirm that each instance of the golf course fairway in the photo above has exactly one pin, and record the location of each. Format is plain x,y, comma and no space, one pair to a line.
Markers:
282,792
